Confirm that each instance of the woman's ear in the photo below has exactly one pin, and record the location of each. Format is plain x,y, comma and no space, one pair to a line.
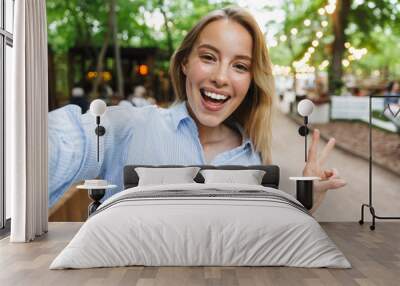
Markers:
183,66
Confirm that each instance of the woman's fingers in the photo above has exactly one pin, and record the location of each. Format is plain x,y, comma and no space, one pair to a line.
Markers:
330,184
328,173
327,149
331,173
313,151
335,173
337,183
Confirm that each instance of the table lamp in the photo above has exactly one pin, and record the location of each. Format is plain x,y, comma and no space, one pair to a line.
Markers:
97,188
98,108
305,108
304,185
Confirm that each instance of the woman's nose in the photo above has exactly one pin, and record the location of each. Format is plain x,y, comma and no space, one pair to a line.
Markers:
220,76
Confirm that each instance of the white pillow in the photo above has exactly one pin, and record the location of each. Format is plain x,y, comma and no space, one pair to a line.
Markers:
162,176
249,177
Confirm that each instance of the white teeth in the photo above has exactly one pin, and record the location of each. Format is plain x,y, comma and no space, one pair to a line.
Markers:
215,95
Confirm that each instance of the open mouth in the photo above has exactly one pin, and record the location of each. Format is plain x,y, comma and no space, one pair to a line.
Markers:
214,97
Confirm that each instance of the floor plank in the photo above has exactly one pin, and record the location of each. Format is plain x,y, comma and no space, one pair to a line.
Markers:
374,255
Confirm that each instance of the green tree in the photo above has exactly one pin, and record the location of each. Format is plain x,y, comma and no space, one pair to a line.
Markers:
340,20
356,22
86,23
297,39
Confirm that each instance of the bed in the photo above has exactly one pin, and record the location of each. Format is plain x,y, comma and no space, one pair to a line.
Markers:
201,224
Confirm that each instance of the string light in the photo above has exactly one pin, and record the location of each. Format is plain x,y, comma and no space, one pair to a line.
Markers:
302,66
324,64
105,75
281,70
143,70
355,54
273,43
376,73
331,7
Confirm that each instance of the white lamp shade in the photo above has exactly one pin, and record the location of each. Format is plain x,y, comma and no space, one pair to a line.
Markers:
305,107
98,107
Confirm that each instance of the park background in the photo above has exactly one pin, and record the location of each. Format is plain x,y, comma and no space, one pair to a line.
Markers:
336,53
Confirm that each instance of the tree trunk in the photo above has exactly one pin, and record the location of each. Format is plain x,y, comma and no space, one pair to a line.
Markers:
85,40
70,72
169,43
100,59
340,21
167,30
117,54
89,47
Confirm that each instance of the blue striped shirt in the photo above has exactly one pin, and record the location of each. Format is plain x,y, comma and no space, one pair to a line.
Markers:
147,135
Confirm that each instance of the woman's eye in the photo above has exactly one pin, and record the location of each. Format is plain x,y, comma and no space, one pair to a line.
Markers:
241,67
207,57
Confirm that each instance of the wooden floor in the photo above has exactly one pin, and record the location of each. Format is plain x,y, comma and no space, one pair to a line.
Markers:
374,255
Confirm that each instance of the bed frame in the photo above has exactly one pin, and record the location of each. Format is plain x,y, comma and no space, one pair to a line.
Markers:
270,179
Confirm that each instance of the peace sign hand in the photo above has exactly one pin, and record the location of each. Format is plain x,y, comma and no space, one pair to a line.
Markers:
330,178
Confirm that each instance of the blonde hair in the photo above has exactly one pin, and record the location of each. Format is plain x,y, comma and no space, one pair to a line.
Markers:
255,112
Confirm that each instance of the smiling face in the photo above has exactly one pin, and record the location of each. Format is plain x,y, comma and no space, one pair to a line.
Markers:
218,71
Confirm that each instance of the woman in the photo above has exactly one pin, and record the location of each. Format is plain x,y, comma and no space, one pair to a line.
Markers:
217,56
393,89
223,83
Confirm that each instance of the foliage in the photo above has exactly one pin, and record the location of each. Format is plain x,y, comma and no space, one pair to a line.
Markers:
296,12
383,56
141,23
75,22
372,25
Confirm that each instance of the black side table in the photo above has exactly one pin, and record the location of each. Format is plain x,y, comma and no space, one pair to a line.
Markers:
304,190
96,193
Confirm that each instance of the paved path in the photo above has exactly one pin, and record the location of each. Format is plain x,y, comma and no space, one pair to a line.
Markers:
343,204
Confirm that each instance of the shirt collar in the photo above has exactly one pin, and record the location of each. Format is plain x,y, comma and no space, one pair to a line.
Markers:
245,139
179,113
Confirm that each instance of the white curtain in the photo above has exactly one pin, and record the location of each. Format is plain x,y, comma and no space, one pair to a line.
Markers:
26,123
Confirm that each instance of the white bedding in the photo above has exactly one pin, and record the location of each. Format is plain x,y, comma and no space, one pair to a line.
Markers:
187,230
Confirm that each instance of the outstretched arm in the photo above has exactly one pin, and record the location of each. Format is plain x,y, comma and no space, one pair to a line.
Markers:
71,150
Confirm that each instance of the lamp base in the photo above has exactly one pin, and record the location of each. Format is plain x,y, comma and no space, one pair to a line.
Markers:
96,195
304,193
304,190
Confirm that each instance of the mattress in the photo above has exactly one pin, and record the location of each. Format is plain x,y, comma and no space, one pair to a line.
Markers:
201,225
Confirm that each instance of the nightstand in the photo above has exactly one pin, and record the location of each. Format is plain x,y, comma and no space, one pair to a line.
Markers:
96,193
